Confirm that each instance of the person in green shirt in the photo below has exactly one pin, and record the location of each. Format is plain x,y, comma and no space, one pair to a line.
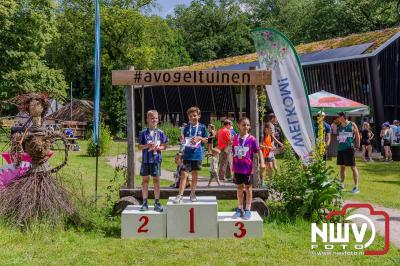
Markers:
349,143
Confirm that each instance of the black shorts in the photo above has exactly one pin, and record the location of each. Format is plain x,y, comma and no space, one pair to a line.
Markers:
192,165
240,179
153,169
386,142
365,142
346,157
210,140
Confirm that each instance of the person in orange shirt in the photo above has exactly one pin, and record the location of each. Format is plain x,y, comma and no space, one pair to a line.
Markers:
224,145
268,148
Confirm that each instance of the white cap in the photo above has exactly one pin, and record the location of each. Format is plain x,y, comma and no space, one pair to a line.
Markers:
321,113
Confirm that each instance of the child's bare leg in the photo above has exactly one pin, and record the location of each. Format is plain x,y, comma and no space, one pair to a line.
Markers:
209,182
249,196
218,182
156,182
369,151
182,184
145,187
270,169
194,181
275,166
363,152
239,193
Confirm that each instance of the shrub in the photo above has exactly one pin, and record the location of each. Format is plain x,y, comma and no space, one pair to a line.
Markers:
104,141
173,133
309,191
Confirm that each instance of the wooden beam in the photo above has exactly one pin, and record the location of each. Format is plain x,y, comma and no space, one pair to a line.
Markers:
220,192
142,102
191,78
130,110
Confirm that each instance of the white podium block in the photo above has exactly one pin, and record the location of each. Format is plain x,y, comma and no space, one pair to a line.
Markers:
136,224
192,219
239,228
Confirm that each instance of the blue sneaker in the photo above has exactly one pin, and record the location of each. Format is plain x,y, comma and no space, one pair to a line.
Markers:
145,207
247,214
355,190
238,213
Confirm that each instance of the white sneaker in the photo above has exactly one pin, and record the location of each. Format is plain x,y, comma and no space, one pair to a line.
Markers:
178,199
193,197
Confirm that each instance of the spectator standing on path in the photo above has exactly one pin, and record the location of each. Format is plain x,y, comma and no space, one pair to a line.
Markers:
366,138
275,134
211,137
327,133
347,135
386,141
395,131
224,138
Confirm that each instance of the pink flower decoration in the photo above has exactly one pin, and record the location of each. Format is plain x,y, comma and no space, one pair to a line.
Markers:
266,34
283,50
274,45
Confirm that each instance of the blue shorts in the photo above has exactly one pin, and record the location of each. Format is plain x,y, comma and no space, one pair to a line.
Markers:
192,165
271,157
153,169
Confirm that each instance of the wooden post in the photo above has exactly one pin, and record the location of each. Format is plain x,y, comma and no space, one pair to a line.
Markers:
142,98
254,121
241,102
379,114
254,118
130,110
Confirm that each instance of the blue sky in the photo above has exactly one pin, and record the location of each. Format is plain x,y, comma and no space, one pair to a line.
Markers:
167,6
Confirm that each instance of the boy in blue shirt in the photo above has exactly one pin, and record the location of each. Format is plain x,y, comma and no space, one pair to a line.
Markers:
151,141
194,137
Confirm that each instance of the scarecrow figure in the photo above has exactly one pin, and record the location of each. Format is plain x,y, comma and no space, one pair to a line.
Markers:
36,194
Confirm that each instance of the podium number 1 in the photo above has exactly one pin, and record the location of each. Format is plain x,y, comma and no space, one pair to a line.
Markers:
242,230
191,221
145,221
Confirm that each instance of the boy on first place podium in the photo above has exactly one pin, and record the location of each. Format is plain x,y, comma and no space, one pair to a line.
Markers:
194,136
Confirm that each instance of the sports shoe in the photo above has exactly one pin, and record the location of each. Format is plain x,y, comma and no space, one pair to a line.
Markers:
193,197
178,199
158,207
247,214
145,207
355,190
238,214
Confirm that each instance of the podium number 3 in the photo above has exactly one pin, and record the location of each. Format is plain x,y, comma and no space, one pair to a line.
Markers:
242,230
191,221
145,221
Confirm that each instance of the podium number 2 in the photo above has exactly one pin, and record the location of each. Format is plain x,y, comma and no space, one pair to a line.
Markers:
145,221
242,230
191,221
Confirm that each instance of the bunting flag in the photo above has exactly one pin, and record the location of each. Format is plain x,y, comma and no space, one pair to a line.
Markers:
96,116
288,94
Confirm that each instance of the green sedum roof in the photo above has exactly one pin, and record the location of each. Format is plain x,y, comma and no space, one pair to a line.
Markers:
377,38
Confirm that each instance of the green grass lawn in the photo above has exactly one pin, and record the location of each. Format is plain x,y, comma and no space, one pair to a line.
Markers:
97,241
379,182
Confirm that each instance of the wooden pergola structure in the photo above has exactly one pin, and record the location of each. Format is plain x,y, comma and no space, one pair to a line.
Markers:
140,78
